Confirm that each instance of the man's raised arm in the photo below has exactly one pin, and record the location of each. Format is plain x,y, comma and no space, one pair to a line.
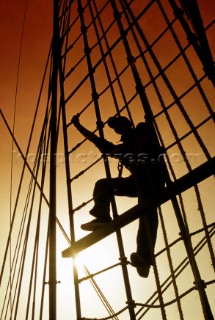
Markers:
103,145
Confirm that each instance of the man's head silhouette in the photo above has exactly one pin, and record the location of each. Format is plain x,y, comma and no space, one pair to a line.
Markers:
119,124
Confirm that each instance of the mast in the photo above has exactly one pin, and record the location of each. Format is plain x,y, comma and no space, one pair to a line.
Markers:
53,149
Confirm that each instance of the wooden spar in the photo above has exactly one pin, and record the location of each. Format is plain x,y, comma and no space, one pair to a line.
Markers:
182,184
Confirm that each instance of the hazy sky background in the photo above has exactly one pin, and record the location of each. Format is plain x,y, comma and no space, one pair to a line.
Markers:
36,42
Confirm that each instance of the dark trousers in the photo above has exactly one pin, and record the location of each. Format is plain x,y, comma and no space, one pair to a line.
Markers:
103,193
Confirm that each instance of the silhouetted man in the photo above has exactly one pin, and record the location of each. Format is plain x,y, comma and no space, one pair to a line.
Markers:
139,153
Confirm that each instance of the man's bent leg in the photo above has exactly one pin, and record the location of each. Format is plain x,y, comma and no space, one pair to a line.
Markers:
102,195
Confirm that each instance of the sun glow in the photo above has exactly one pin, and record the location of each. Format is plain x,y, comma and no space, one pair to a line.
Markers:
90,264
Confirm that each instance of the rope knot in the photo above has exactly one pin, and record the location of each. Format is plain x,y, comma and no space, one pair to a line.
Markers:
200,284
131,303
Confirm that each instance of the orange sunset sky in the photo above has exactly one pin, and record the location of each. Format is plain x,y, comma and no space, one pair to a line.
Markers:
23,57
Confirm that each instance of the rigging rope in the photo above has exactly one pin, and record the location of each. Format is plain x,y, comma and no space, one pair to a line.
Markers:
129,28
178,270
12,145
161,73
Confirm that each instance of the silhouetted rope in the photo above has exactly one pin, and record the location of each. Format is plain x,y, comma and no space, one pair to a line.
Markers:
181,296
177,100
101,134
179,269
13,130
107,318
89,18
171,265
186,60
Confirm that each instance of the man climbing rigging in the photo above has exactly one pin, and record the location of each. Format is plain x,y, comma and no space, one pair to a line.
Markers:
140,153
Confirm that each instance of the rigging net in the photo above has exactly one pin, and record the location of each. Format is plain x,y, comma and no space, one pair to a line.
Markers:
116,60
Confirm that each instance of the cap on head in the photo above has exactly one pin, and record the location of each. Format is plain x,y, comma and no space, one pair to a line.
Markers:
119,122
